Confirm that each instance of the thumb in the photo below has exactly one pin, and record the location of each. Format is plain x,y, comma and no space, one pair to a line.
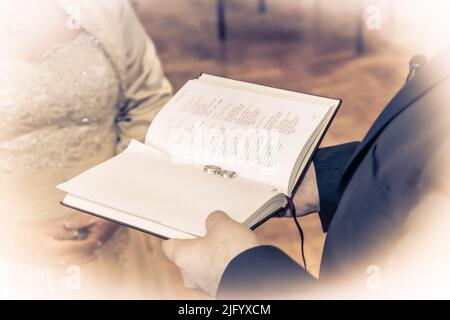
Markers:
79,221
172,247
214,219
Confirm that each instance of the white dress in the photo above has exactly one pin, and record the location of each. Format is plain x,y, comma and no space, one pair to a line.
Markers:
58,119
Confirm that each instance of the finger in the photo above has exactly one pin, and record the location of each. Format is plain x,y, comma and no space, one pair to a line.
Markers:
172,248
189,280
79,221
214,219
285,213
78,259
60,232
71,247
103,230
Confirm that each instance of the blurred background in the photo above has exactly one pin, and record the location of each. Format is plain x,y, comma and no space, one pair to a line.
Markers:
355,50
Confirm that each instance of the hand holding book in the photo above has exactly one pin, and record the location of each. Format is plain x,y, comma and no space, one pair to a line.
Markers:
306,197
266,136
200,263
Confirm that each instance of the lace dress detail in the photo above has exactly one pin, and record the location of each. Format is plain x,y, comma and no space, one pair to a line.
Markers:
59,112
57,119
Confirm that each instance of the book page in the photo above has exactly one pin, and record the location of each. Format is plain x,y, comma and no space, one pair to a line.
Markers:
256,135
148,188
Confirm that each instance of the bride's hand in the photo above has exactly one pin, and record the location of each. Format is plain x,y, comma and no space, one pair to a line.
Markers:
44,244
88,234
71,241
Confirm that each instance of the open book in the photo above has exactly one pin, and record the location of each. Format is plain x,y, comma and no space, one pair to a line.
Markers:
265,136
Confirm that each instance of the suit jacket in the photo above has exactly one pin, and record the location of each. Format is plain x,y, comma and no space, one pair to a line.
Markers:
367,190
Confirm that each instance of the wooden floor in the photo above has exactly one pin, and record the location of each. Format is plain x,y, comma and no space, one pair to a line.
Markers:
288,47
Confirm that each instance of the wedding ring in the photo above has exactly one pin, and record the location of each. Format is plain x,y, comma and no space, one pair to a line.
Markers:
82,234
228,174
212,169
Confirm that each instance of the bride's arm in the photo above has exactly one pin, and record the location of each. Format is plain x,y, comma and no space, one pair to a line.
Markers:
145,91
146,88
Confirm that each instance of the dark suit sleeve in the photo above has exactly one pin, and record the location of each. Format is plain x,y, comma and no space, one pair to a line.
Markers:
267,272
263,272
330,164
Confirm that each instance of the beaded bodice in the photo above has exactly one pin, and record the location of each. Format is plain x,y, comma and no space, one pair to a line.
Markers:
57,116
